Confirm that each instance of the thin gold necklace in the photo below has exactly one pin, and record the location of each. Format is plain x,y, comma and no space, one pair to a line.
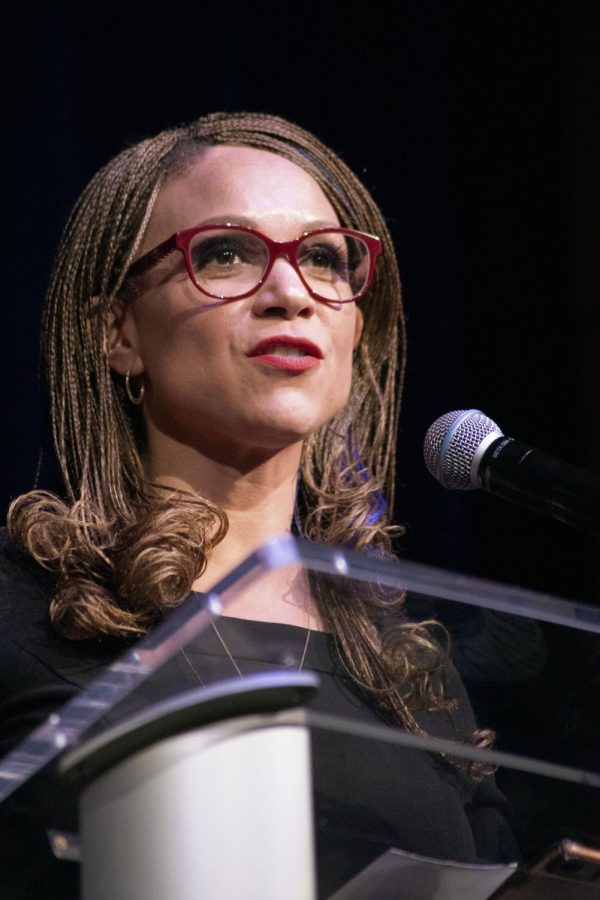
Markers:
231,657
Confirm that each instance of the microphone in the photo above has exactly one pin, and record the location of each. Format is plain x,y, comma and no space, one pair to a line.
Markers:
465,450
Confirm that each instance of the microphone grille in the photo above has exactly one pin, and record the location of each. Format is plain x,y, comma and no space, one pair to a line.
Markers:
454,442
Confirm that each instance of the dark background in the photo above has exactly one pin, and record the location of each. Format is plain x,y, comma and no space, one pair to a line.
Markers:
476,127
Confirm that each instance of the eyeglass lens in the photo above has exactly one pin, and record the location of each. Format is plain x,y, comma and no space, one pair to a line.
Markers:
228,263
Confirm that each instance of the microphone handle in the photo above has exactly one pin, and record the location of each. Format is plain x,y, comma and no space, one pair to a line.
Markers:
541,482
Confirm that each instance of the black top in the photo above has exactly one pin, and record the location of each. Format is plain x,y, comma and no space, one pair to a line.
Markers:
368,796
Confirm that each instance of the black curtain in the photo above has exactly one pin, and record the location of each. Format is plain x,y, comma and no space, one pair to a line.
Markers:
475,126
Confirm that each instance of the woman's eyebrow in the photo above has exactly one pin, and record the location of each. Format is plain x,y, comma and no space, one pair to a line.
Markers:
247,222
229,219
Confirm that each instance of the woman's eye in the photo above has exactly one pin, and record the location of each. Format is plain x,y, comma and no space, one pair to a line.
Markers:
220,254
226,256
324,256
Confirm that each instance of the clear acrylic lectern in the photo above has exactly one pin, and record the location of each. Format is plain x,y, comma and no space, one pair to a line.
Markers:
247,787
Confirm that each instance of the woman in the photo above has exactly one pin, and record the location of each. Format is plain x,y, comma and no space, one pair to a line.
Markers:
222,345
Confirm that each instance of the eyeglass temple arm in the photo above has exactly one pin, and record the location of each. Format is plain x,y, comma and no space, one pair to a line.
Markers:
148,260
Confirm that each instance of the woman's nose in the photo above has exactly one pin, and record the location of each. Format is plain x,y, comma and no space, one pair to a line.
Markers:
283,293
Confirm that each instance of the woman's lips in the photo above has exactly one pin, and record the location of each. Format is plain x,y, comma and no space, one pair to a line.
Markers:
284,352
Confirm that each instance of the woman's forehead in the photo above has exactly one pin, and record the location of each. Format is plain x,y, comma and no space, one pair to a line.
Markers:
226,182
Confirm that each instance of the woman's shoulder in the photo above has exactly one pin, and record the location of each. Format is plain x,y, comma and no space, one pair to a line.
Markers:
39,669
25,587
26,591
450,717
26,635
455,719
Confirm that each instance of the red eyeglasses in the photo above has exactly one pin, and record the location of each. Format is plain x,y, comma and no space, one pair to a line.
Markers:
230,262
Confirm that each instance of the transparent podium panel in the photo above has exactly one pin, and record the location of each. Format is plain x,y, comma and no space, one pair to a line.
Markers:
454,723
396,820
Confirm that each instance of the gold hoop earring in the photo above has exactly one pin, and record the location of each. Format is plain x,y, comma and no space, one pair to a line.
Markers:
136,400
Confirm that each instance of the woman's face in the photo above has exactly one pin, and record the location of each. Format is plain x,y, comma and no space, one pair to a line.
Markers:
205,384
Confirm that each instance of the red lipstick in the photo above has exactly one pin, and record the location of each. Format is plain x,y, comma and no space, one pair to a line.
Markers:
289,353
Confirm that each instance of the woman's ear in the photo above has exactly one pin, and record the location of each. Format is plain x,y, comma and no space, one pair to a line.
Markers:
358,327
121,340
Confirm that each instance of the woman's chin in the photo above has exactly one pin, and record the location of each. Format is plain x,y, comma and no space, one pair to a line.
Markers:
291,421
267,425
280,432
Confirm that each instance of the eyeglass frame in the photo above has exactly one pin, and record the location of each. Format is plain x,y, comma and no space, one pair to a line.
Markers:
181,241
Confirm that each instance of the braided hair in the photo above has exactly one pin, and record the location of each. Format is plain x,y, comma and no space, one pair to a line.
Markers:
122,553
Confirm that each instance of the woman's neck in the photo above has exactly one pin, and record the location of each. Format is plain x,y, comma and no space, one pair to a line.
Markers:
258,496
